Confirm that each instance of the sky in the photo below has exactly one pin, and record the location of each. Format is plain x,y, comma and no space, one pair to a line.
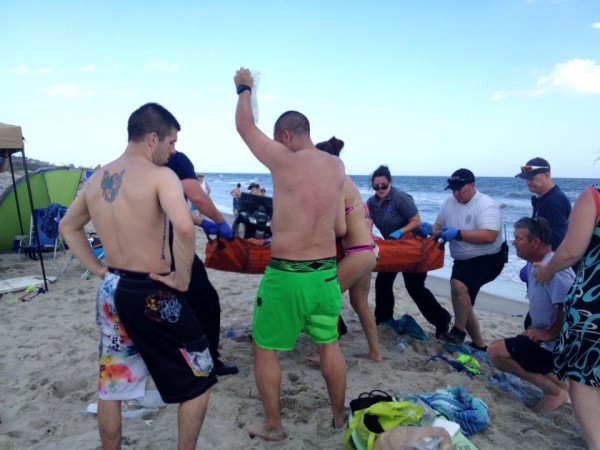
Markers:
425,87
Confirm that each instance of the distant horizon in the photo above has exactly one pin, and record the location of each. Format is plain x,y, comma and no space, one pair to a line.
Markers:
394,176
51,164
39,163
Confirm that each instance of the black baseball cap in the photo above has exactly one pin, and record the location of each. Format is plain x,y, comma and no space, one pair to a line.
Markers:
253,185
533,167
459,178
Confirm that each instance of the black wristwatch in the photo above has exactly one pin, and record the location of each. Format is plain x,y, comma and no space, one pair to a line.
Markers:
243,87
458,236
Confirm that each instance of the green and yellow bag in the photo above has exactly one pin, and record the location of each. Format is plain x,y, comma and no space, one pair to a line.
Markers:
368,423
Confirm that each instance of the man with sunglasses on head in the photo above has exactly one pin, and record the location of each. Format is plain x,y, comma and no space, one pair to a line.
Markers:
529,355
550,202
472,223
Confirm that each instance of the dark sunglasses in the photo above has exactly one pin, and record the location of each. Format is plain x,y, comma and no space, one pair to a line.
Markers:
380,187
526,169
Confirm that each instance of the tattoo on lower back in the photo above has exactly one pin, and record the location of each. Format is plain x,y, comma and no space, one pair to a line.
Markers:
164,241
110,185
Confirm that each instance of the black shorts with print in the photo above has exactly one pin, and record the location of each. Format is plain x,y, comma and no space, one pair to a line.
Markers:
167,334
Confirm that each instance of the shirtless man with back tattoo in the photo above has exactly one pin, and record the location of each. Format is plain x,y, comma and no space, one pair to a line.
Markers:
130,201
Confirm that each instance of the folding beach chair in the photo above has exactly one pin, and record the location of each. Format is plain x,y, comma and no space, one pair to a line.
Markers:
98,250
43,226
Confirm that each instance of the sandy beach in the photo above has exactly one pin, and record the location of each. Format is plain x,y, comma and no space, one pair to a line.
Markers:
48,373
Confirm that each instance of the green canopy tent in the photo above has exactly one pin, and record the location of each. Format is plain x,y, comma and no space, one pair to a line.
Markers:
32,191
48,185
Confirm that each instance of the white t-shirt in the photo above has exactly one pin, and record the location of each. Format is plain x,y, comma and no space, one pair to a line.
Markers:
480,213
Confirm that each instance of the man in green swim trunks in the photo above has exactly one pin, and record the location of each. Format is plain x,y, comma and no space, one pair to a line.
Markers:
300,290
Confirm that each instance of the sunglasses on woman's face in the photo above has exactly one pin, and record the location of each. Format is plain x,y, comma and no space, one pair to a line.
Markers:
380,187
526,169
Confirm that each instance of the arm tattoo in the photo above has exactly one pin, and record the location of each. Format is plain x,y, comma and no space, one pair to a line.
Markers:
110,185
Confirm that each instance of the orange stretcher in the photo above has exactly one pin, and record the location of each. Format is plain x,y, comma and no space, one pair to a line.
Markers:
408,254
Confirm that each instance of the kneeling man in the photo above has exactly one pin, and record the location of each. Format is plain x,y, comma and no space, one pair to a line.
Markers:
529,355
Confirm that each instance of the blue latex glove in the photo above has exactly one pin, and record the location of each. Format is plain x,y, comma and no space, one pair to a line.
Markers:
523,274
425,229
220,229
396,234
449,233
209,226
225,230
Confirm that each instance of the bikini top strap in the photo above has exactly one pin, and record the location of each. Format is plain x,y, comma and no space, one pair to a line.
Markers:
366,208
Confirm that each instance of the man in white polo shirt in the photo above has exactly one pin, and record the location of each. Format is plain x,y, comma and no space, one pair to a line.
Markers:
472,223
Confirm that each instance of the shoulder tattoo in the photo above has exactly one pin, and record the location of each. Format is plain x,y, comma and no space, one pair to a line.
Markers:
111,184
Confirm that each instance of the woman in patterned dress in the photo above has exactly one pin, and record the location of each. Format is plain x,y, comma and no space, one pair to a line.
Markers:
577,355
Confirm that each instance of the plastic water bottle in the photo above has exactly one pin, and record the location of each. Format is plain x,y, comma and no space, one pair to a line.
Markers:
230,333
232,329
246,327
237,328
253,102
401,344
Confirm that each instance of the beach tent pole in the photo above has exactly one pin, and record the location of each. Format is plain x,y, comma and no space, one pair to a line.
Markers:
14,183
39,247
35,225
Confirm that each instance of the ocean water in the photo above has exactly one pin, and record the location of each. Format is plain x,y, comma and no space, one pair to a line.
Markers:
428,192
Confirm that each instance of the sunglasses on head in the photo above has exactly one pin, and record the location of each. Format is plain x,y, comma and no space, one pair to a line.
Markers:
380,187
535,229
526,169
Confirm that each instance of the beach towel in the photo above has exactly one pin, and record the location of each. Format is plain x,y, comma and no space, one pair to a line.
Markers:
515,386
481,356
407,324
456,365
50,217
457,405
43,230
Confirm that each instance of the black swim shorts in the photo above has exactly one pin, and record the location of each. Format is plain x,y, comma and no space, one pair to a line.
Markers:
531,357
167,334
475,272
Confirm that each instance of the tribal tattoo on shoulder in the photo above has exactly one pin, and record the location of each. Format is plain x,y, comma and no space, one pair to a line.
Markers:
110,185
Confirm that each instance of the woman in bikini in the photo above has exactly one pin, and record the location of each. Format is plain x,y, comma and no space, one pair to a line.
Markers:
360,255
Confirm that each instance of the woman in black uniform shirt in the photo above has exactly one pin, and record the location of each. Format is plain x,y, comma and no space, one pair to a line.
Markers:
394,213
